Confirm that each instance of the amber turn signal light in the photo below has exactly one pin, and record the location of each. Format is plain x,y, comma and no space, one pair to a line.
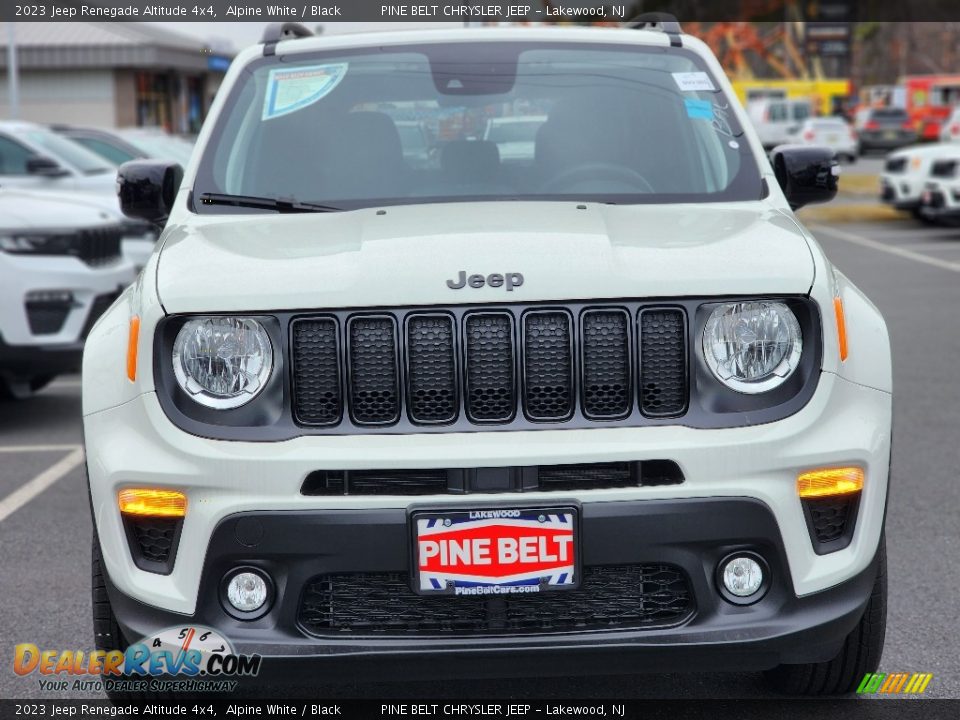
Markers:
152,503
133,340
830,481
841,327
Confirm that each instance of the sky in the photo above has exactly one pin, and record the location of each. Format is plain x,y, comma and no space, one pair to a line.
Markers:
241,34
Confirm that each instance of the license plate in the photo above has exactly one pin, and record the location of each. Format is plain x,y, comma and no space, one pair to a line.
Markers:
832,139
495,552
890,135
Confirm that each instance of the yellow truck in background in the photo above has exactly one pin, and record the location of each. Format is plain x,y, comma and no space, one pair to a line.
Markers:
827,96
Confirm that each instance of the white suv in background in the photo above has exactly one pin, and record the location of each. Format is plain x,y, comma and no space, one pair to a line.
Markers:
33,157
950,130
612,409
60,268
906,173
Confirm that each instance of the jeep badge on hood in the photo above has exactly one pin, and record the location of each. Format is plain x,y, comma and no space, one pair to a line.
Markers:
510,280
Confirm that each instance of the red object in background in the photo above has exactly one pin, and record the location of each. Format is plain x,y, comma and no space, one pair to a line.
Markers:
809,136
930,98
871,125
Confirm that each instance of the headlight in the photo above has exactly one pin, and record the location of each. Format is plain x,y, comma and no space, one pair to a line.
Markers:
31,244
752,347
222,362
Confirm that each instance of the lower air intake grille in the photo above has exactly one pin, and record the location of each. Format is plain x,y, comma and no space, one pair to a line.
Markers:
610,597
663,365
593,476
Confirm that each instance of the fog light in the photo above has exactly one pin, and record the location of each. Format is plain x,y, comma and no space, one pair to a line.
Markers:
742,576
247,591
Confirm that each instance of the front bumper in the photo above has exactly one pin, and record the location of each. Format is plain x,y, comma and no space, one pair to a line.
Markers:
135,444
693,535
900,191
90,288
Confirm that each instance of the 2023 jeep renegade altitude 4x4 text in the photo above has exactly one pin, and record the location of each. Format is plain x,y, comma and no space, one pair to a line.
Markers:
608,401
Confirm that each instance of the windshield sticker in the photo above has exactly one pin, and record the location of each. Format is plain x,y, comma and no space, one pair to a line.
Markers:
693,81
292,89
699,109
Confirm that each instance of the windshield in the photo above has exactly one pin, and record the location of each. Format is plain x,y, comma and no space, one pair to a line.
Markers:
65,150
501,120
164,147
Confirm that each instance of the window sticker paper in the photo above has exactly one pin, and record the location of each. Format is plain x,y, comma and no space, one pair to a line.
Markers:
693,81
699,109
292,89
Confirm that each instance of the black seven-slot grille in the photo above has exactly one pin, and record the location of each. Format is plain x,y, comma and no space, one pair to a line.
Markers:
610,598
489,367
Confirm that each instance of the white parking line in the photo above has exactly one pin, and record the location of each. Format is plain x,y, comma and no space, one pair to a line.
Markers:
892,250
25,493
935,246
36,448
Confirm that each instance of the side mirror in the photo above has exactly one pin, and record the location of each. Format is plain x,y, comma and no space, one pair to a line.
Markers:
147,188
45,167
807,174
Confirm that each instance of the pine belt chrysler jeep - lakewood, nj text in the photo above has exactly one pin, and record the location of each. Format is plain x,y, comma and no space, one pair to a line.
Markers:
606,405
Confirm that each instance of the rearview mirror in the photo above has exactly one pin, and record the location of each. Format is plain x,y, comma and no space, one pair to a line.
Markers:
45,167
807,174
147,188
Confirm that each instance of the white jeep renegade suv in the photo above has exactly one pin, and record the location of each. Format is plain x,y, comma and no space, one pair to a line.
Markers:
607,406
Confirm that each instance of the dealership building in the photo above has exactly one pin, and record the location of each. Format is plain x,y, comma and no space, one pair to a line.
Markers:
111,75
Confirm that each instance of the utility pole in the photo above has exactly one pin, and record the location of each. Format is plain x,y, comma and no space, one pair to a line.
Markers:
13,78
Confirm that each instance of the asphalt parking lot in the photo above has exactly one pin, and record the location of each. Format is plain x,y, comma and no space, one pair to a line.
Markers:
911,272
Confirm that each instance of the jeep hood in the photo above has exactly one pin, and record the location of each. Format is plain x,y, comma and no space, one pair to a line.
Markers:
28,210
404,255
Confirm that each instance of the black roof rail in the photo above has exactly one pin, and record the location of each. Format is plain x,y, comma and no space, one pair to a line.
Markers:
276,32
665,22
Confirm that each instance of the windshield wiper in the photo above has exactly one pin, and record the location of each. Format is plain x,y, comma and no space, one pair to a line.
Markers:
278,204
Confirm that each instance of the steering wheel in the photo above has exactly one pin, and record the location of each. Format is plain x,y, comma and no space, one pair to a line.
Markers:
596,171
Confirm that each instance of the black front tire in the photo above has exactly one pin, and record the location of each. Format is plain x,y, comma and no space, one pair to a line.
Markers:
859,655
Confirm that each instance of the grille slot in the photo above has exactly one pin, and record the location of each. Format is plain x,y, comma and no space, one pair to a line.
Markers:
491,391
431,369
374,381
562,478
610,597
606,364
547,366
99,247
459,481
663,363
316,371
